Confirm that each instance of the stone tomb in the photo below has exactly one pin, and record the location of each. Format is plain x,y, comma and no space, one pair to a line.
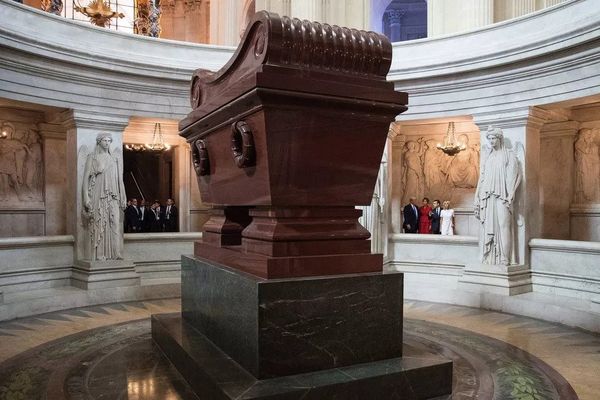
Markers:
283,298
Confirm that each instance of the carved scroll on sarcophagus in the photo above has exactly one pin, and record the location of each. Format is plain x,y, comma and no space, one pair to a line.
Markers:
286,139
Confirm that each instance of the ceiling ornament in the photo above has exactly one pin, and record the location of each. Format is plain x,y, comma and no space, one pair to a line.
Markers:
99,12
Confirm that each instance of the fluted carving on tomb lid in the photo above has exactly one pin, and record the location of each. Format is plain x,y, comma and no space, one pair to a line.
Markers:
52,6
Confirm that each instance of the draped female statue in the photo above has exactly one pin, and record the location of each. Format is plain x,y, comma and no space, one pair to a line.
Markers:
498,182
103,199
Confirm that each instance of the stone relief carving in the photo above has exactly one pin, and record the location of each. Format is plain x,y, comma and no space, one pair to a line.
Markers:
459,170
587,167
21,165
494,198
104,198
429,172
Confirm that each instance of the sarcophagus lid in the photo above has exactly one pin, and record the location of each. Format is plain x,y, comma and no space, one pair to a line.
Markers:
298,117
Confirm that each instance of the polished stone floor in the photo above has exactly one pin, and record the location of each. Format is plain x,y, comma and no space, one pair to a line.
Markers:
106,352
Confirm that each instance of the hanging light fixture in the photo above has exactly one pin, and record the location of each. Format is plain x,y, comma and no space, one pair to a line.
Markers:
451,146
158,142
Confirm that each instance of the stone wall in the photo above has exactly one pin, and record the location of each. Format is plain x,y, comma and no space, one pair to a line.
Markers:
32,183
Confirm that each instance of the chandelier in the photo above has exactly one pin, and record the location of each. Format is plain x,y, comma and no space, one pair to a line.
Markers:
158,142
451,146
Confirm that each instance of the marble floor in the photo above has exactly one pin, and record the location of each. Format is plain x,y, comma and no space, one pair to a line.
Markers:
106,352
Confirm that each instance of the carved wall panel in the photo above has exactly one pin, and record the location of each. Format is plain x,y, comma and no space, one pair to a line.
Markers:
21,165
428,172
556,185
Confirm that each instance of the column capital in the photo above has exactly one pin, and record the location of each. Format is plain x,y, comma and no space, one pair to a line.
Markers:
52,131
533,117
395,16
73,119
560,129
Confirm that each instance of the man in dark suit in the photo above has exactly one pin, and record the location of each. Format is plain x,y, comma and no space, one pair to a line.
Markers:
132,216
411,217
436,214
156,223
144,217
170,216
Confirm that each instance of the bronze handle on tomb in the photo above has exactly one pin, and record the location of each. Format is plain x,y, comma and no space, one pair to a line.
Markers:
242,145
200,158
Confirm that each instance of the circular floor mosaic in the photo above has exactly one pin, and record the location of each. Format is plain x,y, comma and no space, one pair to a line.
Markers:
121,362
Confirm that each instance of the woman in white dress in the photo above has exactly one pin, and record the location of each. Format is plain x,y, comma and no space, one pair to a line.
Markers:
447,216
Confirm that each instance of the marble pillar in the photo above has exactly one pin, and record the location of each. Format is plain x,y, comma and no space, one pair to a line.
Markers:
556,184
522,7
281,7
447,16
54,143
312,10
522,132
226,22
397,142
82,129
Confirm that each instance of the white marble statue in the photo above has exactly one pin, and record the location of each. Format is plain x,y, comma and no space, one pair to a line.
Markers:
103,201
587,167
498,182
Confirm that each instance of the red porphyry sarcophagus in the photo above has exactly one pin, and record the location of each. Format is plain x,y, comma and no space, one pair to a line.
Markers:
286,139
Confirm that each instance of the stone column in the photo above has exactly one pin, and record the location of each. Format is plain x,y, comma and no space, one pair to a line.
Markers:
197,14
556,184
281,7
82,129
522,7
448,16
521,129
394,203
55,180
312,10
225,20
395,19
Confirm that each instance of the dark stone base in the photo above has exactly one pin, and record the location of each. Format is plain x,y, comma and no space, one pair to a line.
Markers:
278,327
214,375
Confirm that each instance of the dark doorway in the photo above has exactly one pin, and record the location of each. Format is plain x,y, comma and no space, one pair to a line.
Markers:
148,175
405,20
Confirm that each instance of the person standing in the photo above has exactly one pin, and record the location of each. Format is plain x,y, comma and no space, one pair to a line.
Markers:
170,216
144,217
156,224
447,216
436,214
411,216
132,216
424,217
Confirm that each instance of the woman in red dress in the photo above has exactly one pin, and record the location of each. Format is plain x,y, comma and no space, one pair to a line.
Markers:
425,217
